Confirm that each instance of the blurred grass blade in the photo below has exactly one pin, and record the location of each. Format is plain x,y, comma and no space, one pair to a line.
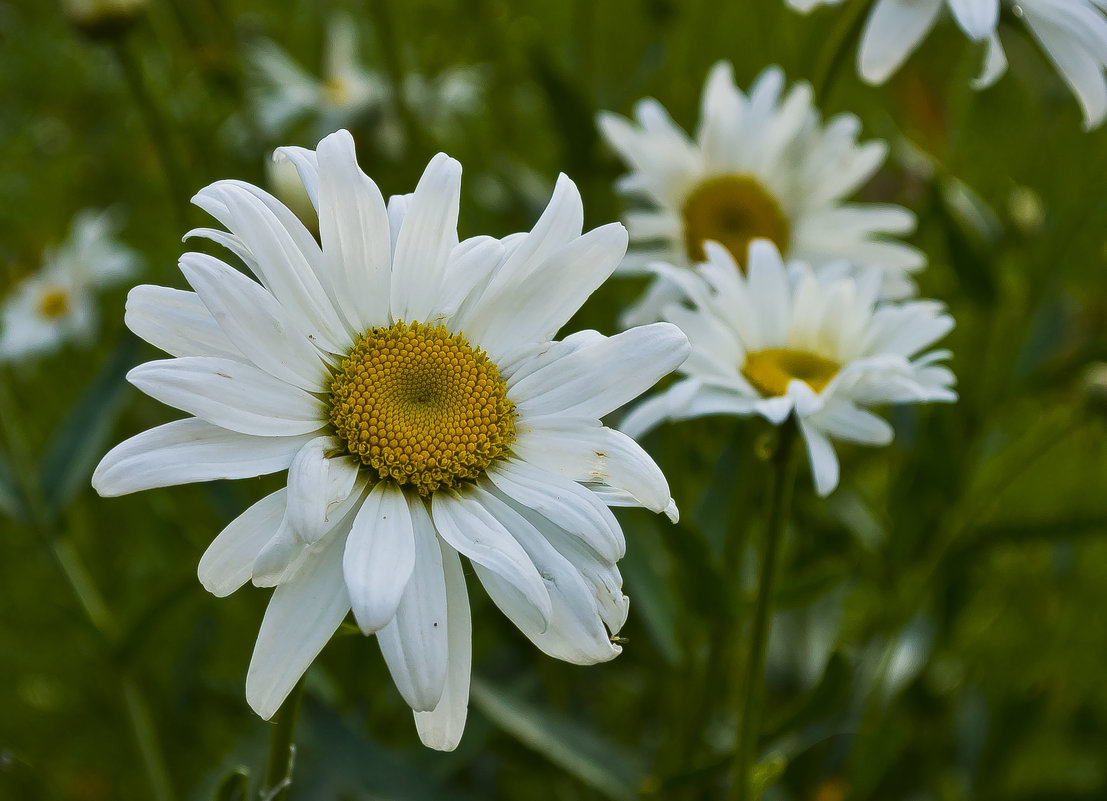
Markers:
652,598
11,500
598,763
81,439
234,787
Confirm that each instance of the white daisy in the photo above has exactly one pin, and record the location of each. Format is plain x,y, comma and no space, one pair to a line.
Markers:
1073,33
760,166
58,304
410,385
778,341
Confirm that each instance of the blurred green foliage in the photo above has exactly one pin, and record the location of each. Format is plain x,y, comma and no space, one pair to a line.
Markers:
941,632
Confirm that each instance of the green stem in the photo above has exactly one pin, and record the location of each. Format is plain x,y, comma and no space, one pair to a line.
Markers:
146,737
783,478
156,128
282,748
842,42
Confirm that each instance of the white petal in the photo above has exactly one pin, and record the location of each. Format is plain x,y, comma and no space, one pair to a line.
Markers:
565,503
228,561
575,631
302,615
995,64
977,18
1080,62
824,462
177,322
231,394
255,322
469,528
190,450
598,378
441,728
894,29
583,450
380,556
307,166
353,227
845,421
318,483
415,642
427,235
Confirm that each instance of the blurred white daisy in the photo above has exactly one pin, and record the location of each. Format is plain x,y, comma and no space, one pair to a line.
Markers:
58,303
761,165
1073,34
778,341
347,91
410,385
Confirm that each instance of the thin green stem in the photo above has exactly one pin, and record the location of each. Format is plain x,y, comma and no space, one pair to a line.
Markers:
842,41
784,479
282,748
156,127
146,738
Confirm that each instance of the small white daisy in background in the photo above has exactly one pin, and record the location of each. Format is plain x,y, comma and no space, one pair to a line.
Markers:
761,165
1073,34
348,92
58,303
411,386
777,341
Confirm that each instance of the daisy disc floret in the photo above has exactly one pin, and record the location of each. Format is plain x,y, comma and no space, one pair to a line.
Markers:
779,341
411,385
761,166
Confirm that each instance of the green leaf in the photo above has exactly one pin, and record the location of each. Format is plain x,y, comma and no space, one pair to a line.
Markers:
235,786
581,752
81,439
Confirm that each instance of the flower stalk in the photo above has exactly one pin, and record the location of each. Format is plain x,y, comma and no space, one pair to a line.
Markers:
282,747
783,480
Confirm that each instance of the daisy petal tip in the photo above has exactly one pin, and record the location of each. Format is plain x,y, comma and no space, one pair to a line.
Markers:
672,512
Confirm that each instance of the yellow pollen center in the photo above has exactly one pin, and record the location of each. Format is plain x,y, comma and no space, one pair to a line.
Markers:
53,303
770,371
421,406
733,210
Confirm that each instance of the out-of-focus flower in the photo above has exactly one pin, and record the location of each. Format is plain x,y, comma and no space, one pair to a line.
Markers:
103,18
1073,34
348,92
410,385
761,165
779,341
58,303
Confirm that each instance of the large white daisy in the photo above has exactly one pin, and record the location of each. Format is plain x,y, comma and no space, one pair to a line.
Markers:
58,303
761,165
780,341
410,385
1073,34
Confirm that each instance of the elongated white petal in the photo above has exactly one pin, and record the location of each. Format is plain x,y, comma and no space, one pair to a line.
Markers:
563,502
190,450
353,227
380,556
255,322
894,29
230,394
415,642
177,322
307,166
824,462
585,451
302,615
594,380
427,235
977,18
469,528
441,728
575,631
228,561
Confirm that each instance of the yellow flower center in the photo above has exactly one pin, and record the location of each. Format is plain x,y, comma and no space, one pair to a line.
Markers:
338,92
733,210
53,303
770,371
421,406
